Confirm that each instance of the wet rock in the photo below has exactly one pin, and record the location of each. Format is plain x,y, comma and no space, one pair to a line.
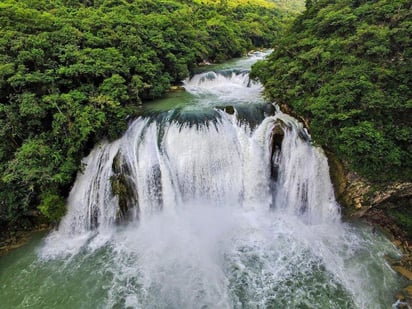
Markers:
10,240
269,109
397,242
393,192
356,191
123,187
337,174
176,88
277,136
387,206
403,271
285,108
229,109
358,202
408,292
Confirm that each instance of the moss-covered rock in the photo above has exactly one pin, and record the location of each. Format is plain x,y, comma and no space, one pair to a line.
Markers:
124,188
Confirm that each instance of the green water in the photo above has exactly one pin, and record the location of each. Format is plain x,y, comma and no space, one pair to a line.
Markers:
28,282
176,99
111,277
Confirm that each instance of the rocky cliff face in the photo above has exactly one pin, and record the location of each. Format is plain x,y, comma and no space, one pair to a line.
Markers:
387,206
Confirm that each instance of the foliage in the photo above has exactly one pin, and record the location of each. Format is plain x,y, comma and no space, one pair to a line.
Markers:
286,5
347,67
403,217
72,73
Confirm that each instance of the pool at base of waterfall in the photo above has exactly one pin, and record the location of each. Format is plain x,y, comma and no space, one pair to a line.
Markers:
206,257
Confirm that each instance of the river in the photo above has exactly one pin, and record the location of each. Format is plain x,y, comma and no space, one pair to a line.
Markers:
218,215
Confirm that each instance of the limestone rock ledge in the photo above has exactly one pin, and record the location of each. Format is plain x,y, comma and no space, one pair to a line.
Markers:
388,206
11,240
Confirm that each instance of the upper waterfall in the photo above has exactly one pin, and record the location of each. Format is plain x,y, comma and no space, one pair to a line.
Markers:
228,84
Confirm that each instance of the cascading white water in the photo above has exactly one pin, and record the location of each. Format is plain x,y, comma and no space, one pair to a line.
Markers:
211,227
224,86
220,163
304,187
214,230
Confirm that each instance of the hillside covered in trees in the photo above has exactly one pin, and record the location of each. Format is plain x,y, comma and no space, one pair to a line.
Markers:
346,66
74,72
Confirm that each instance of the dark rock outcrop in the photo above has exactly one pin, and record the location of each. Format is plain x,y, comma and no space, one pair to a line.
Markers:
229,109
124,188
277,136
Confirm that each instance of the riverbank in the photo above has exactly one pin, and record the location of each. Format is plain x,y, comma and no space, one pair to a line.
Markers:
10,240
380,210
385,206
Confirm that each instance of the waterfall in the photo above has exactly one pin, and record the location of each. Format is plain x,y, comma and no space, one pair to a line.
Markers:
222,203
221,163
303,185
224,86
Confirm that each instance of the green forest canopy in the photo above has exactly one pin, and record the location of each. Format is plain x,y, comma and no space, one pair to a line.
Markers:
346,66
73,72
